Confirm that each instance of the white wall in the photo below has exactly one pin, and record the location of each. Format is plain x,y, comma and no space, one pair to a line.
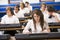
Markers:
15,1
46,0
57,0
3,2
31,1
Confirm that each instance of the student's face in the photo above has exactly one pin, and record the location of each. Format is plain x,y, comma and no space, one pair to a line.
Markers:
36,17
43,7
16,9
21,5
8,12
26,4
50,13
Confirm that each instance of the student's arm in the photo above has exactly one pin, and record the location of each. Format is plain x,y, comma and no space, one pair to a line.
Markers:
57,17
2,20
46,28
31,8
16,20
26,29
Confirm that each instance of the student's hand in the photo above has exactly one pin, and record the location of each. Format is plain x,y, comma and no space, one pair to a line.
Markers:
45,31
26,32
54,15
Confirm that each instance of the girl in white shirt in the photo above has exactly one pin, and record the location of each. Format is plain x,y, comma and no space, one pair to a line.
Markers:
9,18
37,24
22,10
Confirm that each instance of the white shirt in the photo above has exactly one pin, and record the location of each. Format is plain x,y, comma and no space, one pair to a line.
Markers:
15,13
27,10
45,13
30,25
30,8
21,13
53,19
9,20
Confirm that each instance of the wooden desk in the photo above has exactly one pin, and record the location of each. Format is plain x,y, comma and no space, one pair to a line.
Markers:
10,26
28,17
5,37
10,29
20,27
54,26
38,36
23,28
24,21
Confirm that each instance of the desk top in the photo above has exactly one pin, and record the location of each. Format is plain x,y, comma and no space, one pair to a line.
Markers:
54,24
4,37
10,25
38,35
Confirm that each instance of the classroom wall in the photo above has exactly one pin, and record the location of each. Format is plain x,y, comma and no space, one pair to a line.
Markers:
31,1
3,2
57,0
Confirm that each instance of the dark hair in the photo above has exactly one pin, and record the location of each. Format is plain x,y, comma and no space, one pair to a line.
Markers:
27,2
43,4
39,13
17,7
50,9
10,9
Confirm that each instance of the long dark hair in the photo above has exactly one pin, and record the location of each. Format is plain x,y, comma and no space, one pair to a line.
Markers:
41,20
17,6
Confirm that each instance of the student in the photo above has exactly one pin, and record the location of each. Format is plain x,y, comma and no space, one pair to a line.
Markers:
22,7
2,32
16,10
9,18
44,10
22,10
37,24
27,5
52,15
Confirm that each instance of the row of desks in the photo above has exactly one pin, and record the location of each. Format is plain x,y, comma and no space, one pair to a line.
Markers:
23,28
4,37
20,27
38,36
52,35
